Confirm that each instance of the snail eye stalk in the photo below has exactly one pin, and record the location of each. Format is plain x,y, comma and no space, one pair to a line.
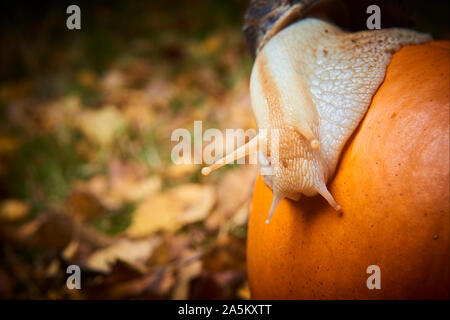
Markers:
277,197
250,147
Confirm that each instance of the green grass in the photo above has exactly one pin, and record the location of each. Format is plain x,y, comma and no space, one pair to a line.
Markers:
43,169
115,222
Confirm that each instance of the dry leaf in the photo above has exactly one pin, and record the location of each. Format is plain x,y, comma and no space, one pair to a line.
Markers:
244,292
185,275
69,252
241,216
226,254
212,44
133,252
113,80
196,201
87,78
7,285
179,171
172,209
217,285
16,90
102,125
119,170
84,206
12,210
159,212
129,182
124,283
131,190
97,186
232,200
8,144
236,185
160,93
139,112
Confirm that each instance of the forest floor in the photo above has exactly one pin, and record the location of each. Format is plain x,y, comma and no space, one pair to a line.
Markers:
86,176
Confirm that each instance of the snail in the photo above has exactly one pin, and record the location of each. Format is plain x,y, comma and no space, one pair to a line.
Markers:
311,84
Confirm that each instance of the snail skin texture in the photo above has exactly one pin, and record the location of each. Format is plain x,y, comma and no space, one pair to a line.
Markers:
312,84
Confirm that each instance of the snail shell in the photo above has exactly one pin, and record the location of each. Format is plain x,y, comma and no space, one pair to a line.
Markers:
264,19
311,84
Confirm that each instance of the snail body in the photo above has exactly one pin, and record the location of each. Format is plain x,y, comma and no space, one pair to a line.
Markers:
311,85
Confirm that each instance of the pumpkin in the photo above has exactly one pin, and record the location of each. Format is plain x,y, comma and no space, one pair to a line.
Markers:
392,183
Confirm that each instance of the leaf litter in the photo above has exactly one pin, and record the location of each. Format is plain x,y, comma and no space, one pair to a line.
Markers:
85,170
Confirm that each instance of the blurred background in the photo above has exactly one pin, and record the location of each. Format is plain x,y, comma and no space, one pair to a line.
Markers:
85,171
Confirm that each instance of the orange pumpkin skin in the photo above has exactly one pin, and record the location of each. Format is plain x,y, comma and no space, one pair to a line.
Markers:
393,185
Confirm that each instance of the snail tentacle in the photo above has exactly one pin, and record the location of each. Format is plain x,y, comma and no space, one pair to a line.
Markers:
311,85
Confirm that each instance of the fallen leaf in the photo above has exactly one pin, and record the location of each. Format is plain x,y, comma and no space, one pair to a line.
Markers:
137,71
177,244
102,125
70,250
133,252
160,212
244,292
12,210
139,112
180,171
97,186
132,191
87,78
55,231
119,170
7,285
160,93
53,268
8,144
172,209
232,199
241,216
123,283
211,44
113,80
185,275
196,201
84,206
16,90
235,188
226,254
217,285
